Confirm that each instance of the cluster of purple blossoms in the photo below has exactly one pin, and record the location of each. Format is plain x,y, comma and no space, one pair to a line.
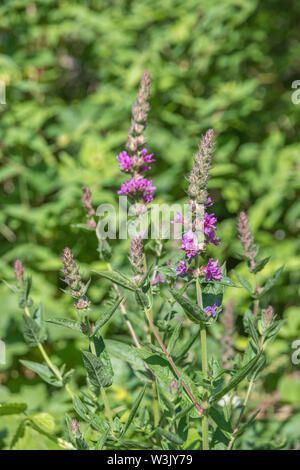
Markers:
137,187
190,244
135,164
209,228
181,268
212,270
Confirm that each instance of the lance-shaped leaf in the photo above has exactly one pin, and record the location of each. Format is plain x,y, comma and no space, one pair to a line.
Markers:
242,428
142,299
170,436
33,333
117,278
42,371
24,293
20,431
67,323
244,283
271,282
12,408
105,316
226,281
192,311
259,265
88,416
174,337
102,353
98,375
133,411
236,379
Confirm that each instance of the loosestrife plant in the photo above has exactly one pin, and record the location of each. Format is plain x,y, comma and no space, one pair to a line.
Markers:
185,387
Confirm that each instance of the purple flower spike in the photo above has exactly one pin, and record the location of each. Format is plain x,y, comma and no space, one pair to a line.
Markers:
212,270
211,310
181,268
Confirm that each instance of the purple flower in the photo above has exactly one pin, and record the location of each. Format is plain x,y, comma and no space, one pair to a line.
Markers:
209,202
212,238
189,245
156,280
178,219
125,162
209,221
211,310
147,158
181,268
138,187
212,270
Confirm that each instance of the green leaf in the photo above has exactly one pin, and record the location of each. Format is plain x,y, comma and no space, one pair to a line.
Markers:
67,323
142,299
170,436
236,379
43,371
260,265
226,281
105,316
18,434
102,353
12,408
117,278
24,292
246,425
97,373
193,311
88,416
174,337
45,420
133,411
33,333
271,282
244,282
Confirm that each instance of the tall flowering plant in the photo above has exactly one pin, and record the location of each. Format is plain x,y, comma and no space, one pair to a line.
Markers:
178,303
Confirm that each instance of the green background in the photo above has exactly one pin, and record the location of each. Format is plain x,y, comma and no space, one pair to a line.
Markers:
72,71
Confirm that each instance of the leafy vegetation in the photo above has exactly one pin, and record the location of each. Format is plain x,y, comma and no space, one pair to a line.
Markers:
71,72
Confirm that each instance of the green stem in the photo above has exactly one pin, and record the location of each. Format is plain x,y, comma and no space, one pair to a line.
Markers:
233,437
205,445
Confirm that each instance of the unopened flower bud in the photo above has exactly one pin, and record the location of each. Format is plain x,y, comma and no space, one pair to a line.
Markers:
19,271
75,428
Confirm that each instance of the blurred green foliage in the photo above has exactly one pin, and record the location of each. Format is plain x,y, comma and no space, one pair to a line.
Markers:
72,71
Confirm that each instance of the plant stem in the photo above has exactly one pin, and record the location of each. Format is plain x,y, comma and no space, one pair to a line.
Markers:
233,437
205,445
50,363
170,360
124,312
136,341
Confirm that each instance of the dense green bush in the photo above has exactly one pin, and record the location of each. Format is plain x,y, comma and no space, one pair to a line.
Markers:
72,70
